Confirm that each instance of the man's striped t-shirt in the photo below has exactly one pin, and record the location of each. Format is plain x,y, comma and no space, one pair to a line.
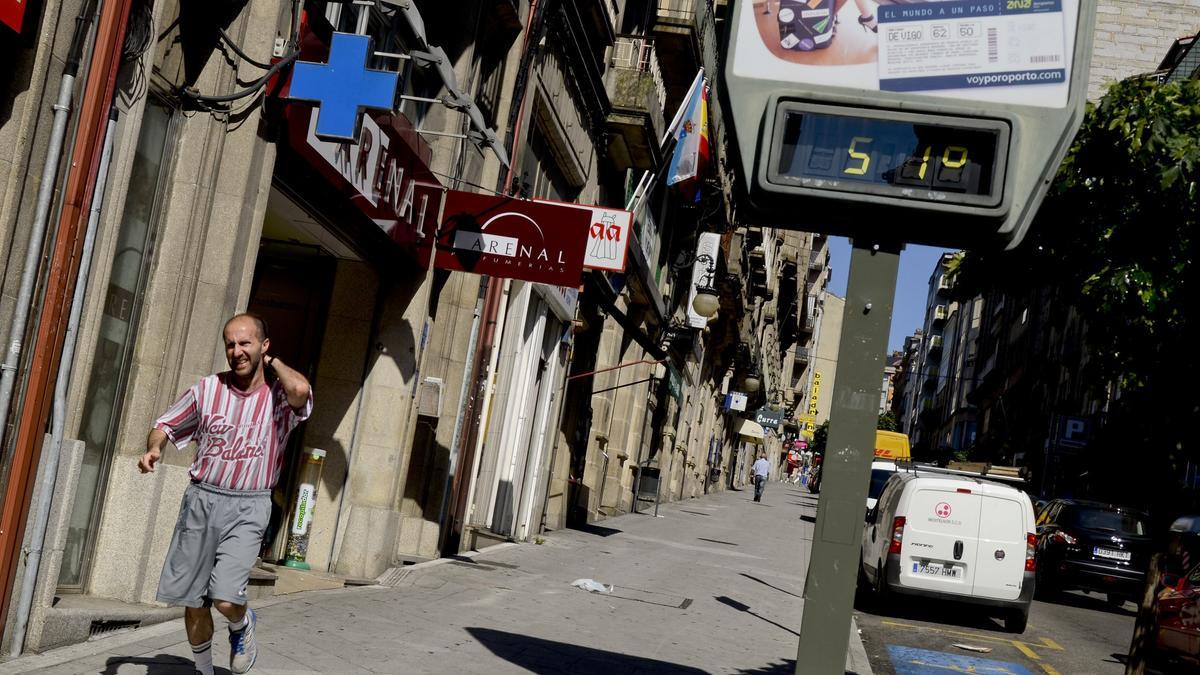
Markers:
240,436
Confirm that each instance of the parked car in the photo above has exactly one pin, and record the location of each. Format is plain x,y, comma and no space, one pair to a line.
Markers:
1177,620
952,537
881,471
1094,547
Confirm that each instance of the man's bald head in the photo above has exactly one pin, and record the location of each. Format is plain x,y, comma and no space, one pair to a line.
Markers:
259,323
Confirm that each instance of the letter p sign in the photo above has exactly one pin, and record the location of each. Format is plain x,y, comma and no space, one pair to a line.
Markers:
1074,431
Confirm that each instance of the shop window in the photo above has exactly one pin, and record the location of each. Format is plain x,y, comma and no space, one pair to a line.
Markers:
114,344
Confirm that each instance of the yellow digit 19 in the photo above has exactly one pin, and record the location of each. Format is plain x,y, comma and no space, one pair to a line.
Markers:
952,163
863,157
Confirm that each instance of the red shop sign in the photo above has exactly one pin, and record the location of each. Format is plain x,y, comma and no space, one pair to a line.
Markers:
513,238
12,13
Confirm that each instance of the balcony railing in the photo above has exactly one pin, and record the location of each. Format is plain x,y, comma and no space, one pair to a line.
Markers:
677,10
935,343
940,313
637,53
637,94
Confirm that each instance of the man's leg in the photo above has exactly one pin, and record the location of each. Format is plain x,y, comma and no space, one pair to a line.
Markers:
197,621
236,554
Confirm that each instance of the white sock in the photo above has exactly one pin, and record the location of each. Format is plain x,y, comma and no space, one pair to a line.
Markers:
240,624
202,655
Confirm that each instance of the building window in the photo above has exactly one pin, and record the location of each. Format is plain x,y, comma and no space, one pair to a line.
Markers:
114,344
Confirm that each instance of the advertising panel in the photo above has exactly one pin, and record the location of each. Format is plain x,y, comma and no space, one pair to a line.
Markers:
513,238
1005,51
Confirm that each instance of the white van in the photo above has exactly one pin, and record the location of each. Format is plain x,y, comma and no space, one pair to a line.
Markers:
952,537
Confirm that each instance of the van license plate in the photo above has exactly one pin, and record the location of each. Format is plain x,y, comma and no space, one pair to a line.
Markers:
935,569
1109,553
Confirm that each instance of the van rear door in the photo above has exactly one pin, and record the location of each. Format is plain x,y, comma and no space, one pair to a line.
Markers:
1000,567
940,538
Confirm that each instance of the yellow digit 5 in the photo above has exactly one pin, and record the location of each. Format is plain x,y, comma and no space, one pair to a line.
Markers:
863,157
954,163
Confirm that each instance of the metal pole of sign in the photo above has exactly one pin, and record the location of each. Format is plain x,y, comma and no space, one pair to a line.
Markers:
833,569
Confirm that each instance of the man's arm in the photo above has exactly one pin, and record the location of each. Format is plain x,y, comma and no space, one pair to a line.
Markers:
154,446
294,384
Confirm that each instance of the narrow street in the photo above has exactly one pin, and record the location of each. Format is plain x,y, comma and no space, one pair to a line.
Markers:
713,585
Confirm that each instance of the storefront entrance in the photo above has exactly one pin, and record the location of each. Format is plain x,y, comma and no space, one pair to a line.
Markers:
291,290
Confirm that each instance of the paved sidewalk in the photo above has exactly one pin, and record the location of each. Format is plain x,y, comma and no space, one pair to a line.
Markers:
713,585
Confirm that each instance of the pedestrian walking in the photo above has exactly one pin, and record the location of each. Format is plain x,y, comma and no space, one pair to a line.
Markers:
762,469
240,420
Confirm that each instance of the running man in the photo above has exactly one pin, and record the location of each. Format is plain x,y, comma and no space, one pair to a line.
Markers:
240,422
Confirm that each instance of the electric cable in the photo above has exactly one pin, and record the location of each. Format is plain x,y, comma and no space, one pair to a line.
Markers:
251,89
240,52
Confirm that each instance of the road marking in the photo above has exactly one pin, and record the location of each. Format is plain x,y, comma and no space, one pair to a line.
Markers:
913,661
1049,669
1022,646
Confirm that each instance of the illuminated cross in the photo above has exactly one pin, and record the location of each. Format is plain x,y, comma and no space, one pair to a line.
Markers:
344,87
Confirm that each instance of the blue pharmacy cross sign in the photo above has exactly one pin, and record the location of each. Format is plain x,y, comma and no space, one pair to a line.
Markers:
344,87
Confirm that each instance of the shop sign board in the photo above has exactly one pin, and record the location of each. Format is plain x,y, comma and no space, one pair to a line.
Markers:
512,238
608,236
343,87
950,117
736,401
12,13
769,417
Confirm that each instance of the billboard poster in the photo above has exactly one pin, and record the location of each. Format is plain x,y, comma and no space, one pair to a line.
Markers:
1000,51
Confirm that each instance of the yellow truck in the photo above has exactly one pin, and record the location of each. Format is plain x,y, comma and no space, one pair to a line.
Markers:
893,446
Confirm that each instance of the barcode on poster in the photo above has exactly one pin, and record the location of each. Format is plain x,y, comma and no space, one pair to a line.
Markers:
993,38
1046,58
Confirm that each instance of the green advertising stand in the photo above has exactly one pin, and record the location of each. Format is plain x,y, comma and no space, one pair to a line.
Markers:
300,524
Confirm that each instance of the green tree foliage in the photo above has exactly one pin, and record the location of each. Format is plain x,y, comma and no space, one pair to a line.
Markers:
1117,236
820,438
887,422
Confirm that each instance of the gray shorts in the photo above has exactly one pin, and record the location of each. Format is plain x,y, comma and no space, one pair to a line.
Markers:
217,538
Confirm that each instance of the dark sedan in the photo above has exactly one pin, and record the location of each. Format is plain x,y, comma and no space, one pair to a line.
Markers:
1095,547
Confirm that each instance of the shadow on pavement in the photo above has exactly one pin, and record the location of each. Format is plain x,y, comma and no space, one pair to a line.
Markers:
742,607
161,664
929,610
597,530
787,667
546,656
1083,601
769,585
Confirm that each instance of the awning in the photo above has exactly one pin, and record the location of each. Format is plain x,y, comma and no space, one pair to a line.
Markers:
751,431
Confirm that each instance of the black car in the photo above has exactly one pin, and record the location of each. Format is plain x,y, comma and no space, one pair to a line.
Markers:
1092,546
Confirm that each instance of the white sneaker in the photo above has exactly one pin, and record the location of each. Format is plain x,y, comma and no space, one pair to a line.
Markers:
243,650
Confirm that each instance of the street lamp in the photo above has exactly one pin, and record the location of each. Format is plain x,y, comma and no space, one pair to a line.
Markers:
707,301
752,382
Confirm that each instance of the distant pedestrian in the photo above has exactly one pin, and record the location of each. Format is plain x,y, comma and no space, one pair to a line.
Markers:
793,468
762,469
240,422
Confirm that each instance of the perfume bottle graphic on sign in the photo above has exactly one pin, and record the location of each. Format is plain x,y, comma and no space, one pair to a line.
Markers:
606,237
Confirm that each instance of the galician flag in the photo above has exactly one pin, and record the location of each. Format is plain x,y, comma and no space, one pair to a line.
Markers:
691,138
